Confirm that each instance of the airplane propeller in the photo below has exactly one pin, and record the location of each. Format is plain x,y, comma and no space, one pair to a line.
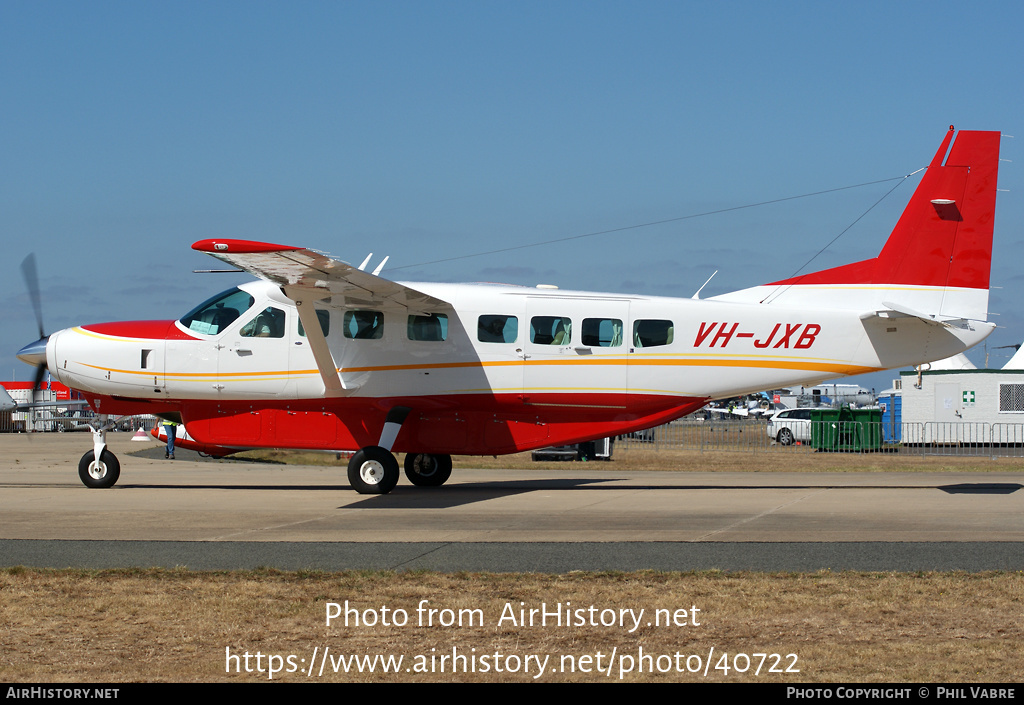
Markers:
34,353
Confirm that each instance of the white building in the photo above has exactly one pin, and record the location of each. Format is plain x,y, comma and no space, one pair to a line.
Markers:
951,401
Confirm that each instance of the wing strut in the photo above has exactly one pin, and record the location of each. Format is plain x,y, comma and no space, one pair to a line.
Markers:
304,298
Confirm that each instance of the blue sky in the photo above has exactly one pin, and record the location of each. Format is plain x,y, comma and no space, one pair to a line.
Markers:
429,130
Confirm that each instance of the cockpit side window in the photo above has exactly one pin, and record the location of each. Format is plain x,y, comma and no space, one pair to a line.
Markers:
217,313
268,323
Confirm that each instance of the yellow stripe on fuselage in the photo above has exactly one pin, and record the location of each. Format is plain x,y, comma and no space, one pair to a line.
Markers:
759,362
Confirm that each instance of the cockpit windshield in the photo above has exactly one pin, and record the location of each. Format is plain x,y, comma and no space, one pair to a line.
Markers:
217,313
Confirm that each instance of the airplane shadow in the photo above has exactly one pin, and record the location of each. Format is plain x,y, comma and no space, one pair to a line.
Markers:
407,497
411,497
981,488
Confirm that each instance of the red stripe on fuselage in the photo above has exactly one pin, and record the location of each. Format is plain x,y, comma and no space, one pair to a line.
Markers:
147,330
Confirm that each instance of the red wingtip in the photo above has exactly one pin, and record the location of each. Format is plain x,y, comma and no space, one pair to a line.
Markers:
239,246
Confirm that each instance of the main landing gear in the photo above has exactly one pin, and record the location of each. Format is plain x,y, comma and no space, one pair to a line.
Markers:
427,470
374,469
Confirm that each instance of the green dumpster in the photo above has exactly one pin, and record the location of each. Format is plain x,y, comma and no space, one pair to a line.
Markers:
846,429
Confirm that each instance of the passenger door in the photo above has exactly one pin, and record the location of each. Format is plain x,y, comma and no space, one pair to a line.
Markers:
576,350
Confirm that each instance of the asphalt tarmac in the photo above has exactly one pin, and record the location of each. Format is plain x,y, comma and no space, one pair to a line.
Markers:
227,515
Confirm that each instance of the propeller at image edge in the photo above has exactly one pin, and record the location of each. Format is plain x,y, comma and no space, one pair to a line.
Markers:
34,353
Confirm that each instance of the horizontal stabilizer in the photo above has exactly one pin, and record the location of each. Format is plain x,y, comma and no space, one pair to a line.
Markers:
899,311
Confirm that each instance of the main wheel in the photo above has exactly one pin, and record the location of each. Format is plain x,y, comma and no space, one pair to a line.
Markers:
426,470
373,470
785,437
102,474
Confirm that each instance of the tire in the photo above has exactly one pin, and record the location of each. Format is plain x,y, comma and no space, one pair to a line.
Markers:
373,470
785,437
99,475
427,470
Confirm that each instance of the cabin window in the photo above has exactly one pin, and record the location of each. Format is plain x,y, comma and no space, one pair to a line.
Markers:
1011,398
652,333
497,329
325,323
268,323
550,330
363,325
217,313
432,327
602,332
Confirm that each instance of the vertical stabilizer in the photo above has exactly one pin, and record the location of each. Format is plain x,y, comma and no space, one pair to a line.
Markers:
938,257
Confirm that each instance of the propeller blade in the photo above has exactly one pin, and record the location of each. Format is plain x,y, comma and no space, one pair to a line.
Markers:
29,271
38,383
31,274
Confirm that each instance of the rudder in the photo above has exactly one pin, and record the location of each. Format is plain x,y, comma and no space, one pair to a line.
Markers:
943,240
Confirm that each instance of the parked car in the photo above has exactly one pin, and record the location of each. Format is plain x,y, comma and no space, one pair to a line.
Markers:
789,426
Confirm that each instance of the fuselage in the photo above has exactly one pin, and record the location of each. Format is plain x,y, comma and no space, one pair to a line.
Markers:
503,369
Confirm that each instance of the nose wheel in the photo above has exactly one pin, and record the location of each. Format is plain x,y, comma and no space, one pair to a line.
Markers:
99,474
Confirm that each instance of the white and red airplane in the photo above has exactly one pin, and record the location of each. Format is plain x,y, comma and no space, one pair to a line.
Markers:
319,354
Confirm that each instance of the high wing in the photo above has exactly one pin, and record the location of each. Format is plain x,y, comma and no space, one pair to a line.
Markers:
307,277
300,270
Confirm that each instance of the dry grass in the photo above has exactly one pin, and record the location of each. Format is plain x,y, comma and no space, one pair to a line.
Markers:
175,625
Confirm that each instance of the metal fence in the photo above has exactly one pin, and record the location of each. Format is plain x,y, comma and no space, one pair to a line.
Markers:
47,420
752,436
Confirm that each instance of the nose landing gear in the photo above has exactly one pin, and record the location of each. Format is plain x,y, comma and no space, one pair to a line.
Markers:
101,473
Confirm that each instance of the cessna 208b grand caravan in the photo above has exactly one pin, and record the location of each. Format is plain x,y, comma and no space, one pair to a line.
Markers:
319,354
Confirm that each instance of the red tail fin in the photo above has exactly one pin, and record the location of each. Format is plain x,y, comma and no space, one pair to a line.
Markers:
944,237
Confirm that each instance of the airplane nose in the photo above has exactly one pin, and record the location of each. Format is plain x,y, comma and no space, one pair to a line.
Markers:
34,353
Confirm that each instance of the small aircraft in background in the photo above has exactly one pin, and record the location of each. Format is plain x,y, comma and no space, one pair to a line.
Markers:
9,403
63,414
320,354
746,406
